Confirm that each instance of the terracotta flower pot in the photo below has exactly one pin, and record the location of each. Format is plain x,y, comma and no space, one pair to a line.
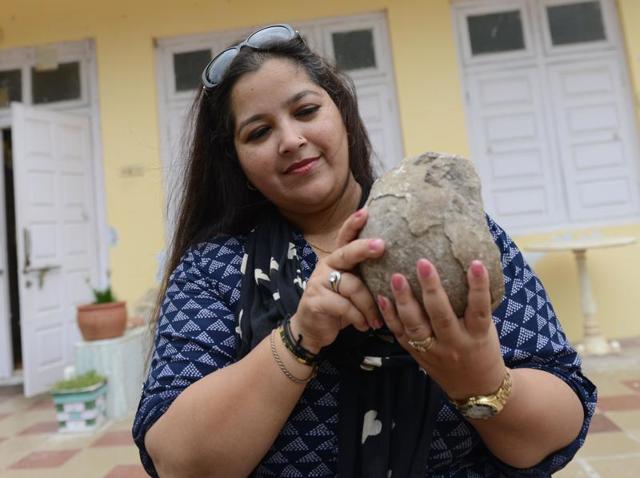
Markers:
102,321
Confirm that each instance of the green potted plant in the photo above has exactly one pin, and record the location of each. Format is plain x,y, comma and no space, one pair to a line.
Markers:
105,318
80,402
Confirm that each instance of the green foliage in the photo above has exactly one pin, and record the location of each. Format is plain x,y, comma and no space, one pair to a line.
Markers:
79,381
103,296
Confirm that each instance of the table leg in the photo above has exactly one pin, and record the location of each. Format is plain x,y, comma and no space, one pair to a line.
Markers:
594,342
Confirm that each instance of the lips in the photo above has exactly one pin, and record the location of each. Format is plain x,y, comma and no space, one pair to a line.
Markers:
300,165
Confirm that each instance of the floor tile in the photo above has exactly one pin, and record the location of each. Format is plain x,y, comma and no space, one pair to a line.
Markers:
629,342
573,470
115,438
45,403
10,391
608,386
608,444
16,447
601,423
626,420
42,427
99,461
16,422
633,384
127,471
123,423
619,402
45,459
617,467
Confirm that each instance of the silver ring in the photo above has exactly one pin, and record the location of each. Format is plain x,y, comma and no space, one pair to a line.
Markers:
422,345
334,281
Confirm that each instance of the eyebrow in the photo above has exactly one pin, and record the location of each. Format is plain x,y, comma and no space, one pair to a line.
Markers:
290,101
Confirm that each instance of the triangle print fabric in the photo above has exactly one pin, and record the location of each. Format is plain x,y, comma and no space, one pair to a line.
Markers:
197,334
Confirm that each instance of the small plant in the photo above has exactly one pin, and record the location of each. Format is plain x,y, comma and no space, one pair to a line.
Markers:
102,296
79,381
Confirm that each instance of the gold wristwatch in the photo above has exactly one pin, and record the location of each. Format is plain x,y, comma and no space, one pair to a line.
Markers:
485,406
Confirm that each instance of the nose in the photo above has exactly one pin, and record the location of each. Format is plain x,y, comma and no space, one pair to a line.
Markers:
291,139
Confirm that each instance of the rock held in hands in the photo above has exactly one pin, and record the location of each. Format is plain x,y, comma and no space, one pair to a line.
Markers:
430,206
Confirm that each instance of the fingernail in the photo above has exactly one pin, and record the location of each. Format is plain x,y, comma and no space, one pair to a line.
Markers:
359,213
377,325
424,268
477,268
376,245
382,303
397,282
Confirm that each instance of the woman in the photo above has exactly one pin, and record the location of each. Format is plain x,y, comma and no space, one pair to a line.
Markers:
273,359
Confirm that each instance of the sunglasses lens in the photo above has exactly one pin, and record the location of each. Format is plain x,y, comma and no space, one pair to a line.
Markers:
273,33
220,65
214,72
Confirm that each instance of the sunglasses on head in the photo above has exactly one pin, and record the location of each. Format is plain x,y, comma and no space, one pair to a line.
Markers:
215,70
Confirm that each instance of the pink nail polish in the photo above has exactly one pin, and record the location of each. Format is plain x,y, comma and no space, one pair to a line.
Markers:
382,303
477,268
424,269
397,282
376,245
359,213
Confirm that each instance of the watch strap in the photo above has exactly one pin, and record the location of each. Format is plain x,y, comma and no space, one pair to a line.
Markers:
496,400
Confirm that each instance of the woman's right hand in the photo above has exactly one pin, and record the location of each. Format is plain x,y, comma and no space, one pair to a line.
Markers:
322,313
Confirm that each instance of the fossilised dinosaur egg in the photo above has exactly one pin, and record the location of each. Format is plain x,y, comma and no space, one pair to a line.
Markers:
430,207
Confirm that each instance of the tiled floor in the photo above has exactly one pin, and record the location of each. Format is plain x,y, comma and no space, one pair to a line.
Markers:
30,446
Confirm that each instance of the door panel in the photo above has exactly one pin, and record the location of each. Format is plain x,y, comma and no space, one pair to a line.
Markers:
57,246
596,143
377,112
568,157
512,148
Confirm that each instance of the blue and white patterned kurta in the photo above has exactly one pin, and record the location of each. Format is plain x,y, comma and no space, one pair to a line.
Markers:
197,335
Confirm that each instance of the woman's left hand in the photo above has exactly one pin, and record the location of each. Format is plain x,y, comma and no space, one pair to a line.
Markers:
464,356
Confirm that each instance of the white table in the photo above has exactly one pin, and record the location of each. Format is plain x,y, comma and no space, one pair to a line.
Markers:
122,361
594,342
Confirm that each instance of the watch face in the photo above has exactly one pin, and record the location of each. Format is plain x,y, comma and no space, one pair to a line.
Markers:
479,411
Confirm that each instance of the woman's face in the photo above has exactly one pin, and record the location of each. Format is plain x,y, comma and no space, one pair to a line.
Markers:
290,138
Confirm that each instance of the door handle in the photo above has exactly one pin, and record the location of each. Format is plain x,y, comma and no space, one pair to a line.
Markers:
41,271
27,248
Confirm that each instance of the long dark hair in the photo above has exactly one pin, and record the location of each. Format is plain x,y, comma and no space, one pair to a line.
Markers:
212,194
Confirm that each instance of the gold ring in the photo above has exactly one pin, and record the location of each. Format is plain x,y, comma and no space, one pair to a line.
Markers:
422,345
334,281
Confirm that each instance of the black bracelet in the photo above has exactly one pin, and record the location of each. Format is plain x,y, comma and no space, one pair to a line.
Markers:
301,354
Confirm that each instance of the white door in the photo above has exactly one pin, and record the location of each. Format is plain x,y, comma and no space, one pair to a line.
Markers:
6,359
513,148
550,111
378,114
596,140
56,235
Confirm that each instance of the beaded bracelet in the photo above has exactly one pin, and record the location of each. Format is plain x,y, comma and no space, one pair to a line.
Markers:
283,367
301,354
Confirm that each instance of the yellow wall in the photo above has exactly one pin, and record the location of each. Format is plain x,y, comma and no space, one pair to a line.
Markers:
629,11
429,95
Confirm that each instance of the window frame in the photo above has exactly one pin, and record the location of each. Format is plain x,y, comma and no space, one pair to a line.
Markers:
464,40
379,51
25,59
544,61
608,20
